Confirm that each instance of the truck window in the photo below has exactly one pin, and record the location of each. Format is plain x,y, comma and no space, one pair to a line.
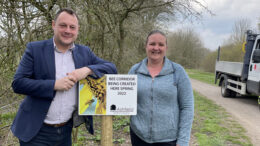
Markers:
258,44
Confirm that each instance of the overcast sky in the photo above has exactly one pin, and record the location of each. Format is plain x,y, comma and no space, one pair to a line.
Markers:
214,30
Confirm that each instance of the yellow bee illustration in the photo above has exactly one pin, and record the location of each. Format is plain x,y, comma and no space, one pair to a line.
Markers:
98,88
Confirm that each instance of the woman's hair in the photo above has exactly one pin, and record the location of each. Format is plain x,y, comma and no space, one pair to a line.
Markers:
154,32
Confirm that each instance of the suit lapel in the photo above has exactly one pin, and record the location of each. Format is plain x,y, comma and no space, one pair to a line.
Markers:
50,58
76,57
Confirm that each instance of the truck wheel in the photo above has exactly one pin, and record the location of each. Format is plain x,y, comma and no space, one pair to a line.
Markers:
225,92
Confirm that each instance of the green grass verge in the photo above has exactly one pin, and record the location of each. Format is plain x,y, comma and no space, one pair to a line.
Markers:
213,126
206,77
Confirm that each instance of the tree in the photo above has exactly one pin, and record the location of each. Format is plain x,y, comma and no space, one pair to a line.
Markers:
231,49
186,48
107,26
115,26
239,30
208,63
114,29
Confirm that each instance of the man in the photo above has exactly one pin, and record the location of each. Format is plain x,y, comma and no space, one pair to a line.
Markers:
47,74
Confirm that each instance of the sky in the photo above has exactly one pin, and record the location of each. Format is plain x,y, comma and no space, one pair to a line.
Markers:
215,30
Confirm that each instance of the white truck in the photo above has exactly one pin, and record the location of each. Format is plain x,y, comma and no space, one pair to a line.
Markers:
241,77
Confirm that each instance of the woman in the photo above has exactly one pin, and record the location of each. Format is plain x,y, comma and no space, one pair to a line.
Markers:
165,98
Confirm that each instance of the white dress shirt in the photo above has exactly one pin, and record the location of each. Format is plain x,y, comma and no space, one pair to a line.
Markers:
64,102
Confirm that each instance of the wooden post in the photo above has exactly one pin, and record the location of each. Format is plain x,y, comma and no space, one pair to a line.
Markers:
75,134
106,131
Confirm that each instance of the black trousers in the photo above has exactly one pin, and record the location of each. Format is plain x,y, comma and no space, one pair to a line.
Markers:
136,141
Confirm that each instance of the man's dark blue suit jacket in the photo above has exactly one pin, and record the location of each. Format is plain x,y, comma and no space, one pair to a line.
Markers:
35,78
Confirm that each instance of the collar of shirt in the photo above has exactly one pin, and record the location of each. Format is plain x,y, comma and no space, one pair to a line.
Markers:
57,49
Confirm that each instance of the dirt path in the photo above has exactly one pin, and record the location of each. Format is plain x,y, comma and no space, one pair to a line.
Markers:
244,109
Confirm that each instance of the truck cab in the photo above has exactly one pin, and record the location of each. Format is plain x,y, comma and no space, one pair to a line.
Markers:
253,80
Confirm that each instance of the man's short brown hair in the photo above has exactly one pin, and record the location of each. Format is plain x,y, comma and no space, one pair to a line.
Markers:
67,10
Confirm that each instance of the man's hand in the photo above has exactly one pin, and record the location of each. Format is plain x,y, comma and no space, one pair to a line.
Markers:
64,84
80,73
72,78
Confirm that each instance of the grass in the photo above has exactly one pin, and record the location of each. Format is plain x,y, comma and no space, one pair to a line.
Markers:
212,125
206,77
6,137
120,132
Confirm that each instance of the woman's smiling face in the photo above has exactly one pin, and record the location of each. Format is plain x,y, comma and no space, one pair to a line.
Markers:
156,47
